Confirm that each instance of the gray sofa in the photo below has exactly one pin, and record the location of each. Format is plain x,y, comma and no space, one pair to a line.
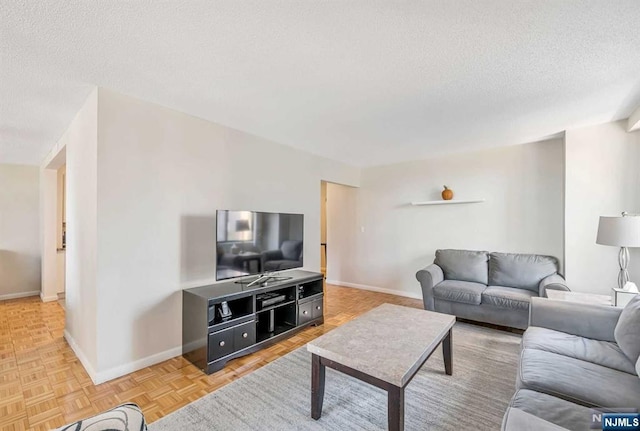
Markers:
575,357
288,256
488,287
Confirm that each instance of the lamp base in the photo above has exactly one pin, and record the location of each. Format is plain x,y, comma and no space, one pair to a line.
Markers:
623,261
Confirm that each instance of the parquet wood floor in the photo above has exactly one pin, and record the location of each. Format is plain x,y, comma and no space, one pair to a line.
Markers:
44,386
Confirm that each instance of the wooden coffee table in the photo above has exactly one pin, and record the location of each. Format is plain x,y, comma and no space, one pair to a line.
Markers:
384,347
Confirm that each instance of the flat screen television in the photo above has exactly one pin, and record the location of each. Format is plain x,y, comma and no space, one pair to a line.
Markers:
252,242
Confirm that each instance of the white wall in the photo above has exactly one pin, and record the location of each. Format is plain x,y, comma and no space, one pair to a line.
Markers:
161,176
523,212
19,229
80,141
602,178
634,120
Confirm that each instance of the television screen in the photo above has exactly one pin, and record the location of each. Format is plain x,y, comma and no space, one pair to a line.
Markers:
250,242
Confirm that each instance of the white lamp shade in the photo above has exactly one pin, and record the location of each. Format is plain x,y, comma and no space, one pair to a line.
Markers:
619,231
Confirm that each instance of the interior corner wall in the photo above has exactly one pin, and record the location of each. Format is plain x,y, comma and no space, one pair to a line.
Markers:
162,175
80,141
19,227
391,239
602,178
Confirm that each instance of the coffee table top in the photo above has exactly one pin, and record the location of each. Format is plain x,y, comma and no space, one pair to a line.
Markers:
389,342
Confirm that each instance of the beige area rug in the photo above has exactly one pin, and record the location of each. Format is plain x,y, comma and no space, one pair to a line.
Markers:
277,396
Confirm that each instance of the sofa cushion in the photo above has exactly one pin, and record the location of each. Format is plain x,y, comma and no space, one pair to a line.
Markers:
459,291
580,382
463,265
603,353
524,271
627,332
507,297
555,410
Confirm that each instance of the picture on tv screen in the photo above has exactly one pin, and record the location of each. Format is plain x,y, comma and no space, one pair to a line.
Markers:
250,242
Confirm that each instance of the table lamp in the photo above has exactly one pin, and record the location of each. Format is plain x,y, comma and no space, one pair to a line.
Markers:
622,231
242,226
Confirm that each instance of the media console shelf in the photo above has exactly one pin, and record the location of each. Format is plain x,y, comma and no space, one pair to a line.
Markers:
260,316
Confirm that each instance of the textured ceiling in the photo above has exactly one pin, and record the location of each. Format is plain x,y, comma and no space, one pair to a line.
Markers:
366,82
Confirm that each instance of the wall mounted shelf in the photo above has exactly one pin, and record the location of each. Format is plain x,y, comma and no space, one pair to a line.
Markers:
451,202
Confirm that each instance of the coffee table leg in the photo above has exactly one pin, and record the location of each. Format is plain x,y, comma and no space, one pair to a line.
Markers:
317,386
447,353
395,410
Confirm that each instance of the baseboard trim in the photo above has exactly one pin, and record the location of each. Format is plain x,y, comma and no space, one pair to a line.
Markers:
19,295
376,289
81,356
48,298
130,367
121,370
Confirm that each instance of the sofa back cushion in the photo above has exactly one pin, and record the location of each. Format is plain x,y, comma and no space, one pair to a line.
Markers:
291,249
627,332
523,271
463,265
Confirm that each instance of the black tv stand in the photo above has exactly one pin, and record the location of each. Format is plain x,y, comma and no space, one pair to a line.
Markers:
209,341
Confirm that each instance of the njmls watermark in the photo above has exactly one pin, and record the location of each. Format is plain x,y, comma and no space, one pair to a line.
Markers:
615,419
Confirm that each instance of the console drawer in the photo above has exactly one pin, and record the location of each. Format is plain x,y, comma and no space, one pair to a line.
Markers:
305,312
317,308
220,344
244,335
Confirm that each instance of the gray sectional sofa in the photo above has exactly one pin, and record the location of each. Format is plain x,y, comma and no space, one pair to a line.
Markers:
488,287
575,357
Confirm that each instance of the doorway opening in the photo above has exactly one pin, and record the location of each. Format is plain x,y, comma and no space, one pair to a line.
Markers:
337,230
323,228
54,227
61,232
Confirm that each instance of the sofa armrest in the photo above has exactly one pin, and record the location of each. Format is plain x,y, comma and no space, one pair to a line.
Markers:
429,277
553,282
585,320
